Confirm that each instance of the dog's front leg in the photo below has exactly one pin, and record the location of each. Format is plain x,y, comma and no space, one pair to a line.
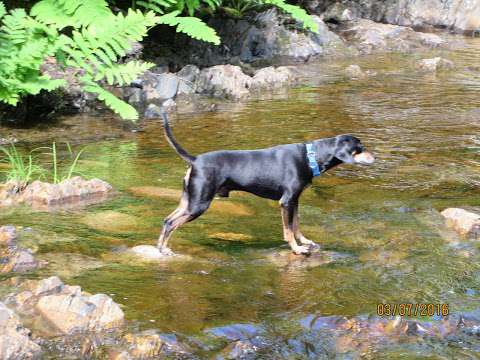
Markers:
287,209
298,234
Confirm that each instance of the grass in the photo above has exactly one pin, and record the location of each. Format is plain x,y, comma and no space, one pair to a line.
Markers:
25,168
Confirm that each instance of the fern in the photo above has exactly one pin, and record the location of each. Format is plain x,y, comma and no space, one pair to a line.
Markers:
296,12
120,107
192,26
76,13
24,43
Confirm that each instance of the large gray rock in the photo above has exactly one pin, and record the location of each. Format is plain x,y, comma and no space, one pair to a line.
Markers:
15,343
369,36
188,76
224,81
271,77
269,40
459,15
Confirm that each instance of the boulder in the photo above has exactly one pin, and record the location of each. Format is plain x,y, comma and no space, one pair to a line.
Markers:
270,41
70,311
368,36
435,64
41,195
158,87
271,77
15,342
465,222
224,81
188,76
458,15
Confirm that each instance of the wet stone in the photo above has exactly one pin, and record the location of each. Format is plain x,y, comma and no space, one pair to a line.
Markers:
465,222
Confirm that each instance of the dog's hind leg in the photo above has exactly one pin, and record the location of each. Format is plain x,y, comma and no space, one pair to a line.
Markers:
287,208
196,199
298,234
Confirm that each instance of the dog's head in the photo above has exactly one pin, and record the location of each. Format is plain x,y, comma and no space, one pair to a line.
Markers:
350,150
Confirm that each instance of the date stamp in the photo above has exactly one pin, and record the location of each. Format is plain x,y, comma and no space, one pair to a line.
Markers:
413,309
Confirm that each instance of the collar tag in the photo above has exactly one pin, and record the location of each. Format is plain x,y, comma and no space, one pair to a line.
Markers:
312,162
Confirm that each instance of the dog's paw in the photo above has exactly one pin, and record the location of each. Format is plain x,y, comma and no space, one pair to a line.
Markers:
301,250
166,251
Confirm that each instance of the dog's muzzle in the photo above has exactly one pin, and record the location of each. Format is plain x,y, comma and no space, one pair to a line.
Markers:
364,158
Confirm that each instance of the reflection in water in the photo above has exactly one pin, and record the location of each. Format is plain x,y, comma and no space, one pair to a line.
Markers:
380,224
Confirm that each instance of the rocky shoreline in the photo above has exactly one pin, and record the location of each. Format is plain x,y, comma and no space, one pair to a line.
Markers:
258,55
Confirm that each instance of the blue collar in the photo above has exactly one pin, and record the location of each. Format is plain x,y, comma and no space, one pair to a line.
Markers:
312,162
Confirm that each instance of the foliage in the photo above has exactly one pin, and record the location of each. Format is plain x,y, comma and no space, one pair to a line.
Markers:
87,37
25,168
20,167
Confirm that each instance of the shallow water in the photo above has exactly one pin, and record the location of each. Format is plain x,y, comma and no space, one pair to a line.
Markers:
380,224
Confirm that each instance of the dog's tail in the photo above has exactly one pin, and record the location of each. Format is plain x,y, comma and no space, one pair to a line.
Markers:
173,143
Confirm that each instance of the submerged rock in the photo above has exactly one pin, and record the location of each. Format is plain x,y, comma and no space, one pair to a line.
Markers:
465,222
12,257
149,252
434,64
228,236
111,221
149,344
15,342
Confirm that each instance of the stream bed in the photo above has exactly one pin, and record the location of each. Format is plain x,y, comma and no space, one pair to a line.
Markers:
380,227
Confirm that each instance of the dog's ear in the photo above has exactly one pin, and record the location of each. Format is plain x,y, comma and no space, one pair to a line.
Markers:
344,149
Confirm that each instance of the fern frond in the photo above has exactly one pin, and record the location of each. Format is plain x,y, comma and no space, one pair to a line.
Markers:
296,12
76,13
123,74
3,10
126,111
158,6
192,26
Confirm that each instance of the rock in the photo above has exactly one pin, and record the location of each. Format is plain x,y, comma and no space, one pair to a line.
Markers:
242,349
17,260
169,104
459,15
435,64
15,342
188,76
226,81
147,344
8,235
153,112
159,87
71,311
111,221
368,36
465,222
12,257
270,41
271,77
354,72
41,195
148,252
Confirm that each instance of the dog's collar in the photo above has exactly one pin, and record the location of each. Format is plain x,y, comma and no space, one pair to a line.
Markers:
312,162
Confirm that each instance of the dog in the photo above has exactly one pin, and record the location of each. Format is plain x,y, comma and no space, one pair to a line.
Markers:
279,173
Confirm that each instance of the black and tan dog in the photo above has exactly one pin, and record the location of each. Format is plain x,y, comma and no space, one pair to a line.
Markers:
278,173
